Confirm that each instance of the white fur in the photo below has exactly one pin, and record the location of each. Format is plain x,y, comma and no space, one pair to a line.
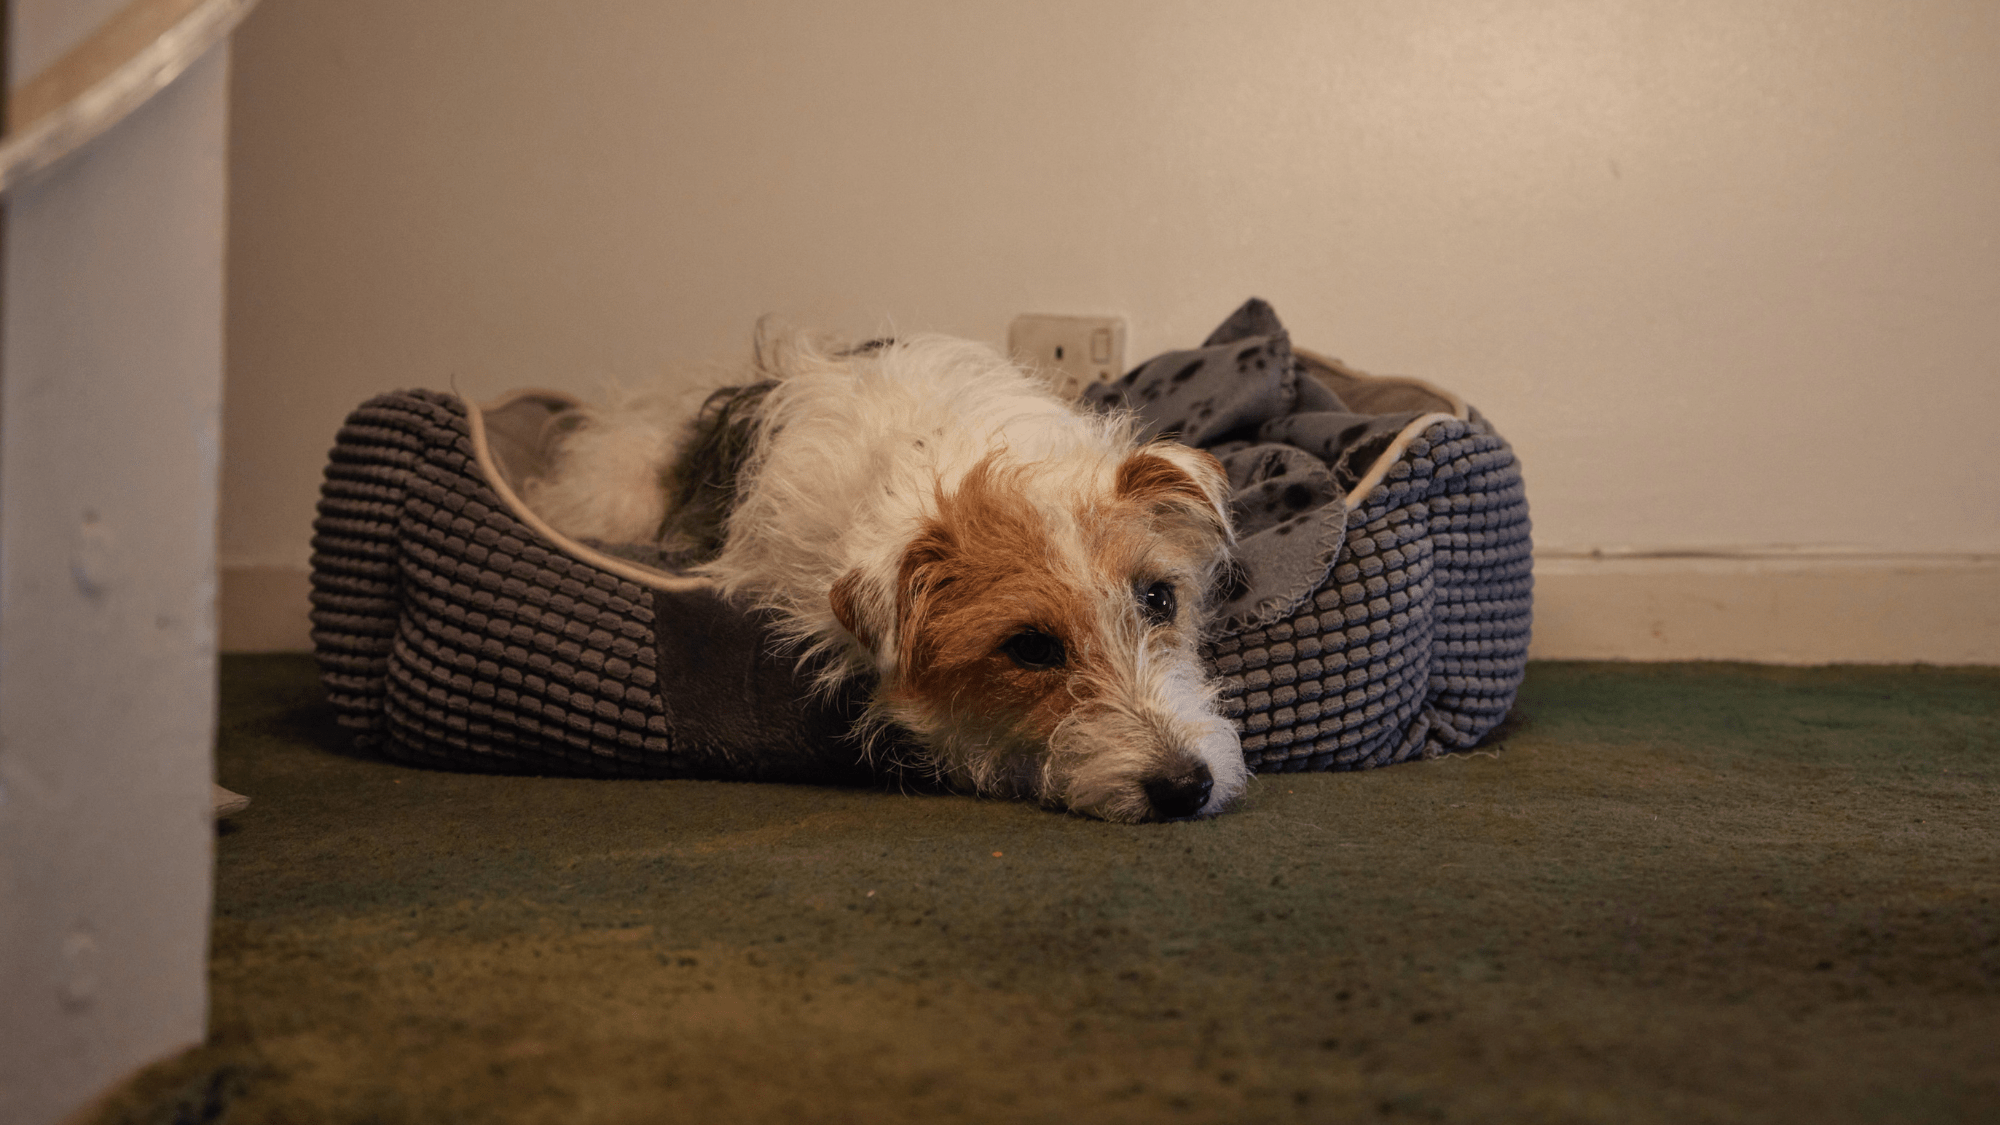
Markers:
852,453
607,486
852,456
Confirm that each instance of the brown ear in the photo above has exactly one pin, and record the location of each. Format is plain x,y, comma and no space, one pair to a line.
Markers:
846,597
922,574
1180,480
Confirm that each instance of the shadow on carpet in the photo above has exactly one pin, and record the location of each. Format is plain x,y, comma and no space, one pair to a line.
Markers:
1676,893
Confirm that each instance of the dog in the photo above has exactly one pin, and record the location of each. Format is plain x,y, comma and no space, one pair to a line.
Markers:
1019,582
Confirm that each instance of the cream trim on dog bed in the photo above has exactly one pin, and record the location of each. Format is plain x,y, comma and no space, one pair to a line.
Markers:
1348,378
499,479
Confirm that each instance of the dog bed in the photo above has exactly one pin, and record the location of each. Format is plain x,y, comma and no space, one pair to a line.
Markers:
1380,612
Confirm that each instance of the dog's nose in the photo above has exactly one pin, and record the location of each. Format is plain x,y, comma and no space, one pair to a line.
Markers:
1181,794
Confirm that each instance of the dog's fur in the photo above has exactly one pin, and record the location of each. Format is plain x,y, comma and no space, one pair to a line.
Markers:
1020,582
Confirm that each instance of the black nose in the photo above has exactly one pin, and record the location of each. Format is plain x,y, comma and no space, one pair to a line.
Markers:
1182,794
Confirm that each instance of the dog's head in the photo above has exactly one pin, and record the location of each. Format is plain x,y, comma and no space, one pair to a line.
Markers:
1038,632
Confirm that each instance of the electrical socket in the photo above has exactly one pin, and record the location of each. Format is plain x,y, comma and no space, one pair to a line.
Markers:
1072,352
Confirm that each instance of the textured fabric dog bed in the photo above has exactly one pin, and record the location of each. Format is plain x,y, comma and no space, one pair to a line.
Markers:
1382,605
454,628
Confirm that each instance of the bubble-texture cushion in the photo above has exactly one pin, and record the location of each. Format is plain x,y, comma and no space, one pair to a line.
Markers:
1418,640
452,633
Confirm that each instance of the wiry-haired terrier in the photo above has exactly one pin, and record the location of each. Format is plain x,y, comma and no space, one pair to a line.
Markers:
1022,582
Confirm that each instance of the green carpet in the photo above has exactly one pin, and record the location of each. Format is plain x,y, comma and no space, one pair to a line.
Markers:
1676,894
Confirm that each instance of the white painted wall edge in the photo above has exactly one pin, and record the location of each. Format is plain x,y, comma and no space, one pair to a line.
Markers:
1764,605
111,407
94,92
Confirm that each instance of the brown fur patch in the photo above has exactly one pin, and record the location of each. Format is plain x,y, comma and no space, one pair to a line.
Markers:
1152,480
980,573
1165,521
844,598
1147,476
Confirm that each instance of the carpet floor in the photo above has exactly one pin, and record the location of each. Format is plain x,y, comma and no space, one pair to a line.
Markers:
1676,893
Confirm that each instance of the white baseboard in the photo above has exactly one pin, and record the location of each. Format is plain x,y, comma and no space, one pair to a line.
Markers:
1766,608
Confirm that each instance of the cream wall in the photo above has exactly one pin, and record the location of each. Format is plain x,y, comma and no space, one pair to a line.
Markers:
1724,271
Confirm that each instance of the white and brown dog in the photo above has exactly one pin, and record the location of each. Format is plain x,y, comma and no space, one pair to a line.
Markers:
1022,582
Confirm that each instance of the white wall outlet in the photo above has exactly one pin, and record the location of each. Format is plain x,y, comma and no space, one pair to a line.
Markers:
1072,352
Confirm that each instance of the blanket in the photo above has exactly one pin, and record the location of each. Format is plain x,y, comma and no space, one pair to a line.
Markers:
1291,447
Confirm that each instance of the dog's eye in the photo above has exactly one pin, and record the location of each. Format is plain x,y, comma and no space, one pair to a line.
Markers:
1158,603
1035,650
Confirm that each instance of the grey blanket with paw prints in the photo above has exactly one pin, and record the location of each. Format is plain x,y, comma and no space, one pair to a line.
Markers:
1292,449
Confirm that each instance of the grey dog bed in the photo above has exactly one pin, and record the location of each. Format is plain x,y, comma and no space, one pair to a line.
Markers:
1379,611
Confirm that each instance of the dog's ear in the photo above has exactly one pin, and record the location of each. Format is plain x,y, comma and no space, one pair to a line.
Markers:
1181,481
924,572
880,617
857,612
